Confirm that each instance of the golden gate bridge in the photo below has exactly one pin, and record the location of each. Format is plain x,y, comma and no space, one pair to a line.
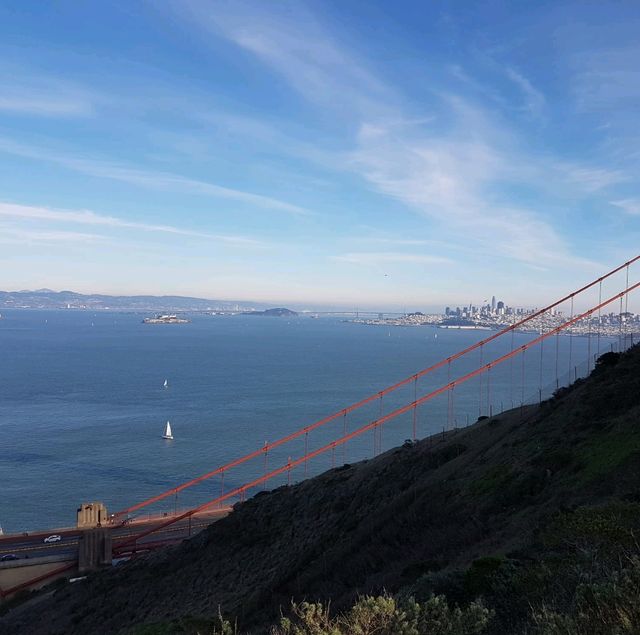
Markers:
464,382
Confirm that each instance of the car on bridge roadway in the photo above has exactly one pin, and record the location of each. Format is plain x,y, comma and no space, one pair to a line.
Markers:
54,538
9,556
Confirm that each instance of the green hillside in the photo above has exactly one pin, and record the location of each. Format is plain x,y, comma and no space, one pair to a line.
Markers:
529,522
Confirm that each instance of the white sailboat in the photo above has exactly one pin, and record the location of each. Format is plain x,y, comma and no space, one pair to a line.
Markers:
166,383
167,432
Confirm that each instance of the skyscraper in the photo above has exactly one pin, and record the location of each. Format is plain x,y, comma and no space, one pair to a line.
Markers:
493,304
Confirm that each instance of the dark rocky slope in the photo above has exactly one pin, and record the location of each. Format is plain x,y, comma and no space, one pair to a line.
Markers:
380,524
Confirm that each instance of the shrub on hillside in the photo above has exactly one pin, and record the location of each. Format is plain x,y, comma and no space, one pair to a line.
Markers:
599,608
384,615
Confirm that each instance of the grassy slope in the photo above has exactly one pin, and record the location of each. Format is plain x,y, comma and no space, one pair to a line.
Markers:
382,523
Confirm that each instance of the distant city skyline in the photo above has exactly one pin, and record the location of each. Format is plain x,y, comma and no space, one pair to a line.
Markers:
49,298
313,153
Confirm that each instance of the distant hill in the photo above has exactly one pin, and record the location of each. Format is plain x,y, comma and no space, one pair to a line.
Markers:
280,312
536,511
47,299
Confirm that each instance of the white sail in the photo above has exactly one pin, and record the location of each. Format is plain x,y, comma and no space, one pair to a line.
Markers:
167,432
166,383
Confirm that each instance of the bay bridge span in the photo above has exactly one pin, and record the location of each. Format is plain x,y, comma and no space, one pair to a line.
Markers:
482,380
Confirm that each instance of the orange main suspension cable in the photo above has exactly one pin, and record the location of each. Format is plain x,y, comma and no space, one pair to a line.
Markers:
377,422
344,411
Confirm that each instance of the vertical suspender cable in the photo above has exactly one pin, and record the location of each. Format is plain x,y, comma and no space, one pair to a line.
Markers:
570,341
480,387
588,345
626,307
557,358
449,404
454,424
599,315
415,408
620,327
379,428
489,405
266,453
524,350
511,370
541,369
344,433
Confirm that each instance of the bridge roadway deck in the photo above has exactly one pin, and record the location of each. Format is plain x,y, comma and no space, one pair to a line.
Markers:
32,545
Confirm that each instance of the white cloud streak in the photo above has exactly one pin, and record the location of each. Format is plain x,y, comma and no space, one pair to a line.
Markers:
535,101
630,206
24,93
86,217
163,181
16,236
43,106
591,179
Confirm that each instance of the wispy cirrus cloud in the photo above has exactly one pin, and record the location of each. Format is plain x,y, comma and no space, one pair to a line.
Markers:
43,105
296,45
591,179
155,180
25,93
452,165
10,235
452,183
534,100
86,217
630,206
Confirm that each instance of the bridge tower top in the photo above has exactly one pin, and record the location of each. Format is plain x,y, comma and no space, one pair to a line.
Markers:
92,515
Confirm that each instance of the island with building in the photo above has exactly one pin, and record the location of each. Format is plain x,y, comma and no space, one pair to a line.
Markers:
166,319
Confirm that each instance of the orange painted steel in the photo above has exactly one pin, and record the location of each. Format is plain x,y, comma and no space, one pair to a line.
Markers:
363,402
378,422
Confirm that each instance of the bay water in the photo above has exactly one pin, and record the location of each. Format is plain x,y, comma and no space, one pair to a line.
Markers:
83,405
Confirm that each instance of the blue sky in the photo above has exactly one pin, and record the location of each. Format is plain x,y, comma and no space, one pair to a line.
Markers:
360,153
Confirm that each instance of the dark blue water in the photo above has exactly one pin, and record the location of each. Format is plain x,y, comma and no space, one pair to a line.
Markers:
82,403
